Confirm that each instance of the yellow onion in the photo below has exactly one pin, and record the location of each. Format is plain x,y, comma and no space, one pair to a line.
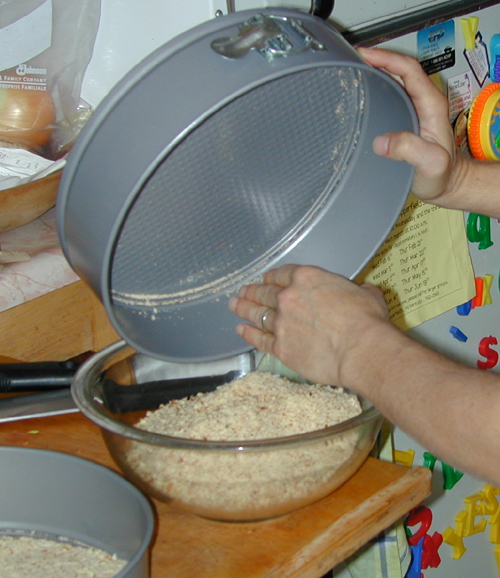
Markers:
27,117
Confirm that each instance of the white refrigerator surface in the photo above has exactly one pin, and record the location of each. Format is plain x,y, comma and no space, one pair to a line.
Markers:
479,558
130,30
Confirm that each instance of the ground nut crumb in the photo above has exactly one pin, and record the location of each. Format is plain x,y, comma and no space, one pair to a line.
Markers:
33,557
257,406
248,484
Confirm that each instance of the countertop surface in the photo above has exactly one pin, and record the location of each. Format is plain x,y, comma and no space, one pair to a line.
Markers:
45,268
304,544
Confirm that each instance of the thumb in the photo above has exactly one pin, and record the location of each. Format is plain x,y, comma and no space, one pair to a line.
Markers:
431,161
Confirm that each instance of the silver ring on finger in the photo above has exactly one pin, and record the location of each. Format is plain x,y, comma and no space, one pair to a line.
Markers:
263,320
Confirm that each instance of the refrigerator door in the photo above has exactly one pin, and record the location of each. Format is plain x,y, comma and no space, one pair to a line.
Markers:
452,493
346,14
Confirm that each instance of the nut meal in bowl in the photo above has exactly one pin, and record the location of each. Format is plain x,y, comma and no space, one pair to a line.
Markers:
239,446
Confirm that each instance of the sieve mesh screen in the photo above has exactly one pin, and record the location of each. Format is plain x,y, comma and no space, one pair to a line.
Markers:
238,188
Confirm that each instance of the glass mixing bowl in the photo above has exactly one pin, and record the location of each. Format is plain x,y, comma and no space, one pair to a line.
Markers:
223,480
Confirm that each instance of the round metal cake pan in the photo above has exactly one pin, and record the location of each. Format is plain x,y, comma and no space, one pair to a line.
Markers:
243,144
55,495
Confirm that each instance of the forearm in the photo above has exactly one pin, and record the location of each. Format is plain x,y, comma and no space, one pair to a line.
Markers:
332,331
453,411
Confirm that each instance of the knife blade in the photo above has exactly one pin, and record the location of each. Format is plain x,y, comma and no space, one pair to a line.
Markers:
48,403
117,398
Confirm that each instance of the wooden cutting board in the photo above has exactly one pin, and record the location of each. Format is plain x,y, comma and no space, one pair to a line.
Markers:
304,544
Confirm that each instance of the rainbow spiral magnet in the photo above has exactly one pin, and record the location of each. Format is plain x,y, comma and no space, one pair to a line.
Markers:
483,127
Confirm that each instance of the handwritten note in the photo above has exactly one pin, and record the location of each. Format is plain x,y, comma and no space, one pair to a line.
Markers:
424,267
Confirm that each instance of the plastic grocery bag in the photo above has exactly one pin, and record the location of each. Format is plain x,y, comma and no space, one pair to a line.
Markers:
46,46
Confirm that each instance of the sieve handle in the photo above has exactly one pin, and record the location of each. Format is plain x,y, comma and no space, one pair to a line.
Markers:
273,37
322,8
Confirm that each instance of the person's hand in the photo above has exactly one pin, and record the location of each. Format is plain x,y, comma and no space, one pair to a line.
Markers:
314,320
438,166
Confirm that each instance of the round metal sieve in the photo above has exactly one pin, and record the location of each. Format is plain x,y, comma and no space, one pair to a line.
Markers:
241,145
207,223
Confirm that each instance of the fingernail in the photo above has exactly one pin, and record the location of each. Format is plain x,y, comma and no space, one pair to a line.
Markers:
381,145
232,303
239,330
364,51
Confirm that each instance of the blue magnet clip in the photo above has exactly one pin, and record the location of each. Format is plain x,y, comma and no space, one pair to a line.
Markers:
457,334
465,308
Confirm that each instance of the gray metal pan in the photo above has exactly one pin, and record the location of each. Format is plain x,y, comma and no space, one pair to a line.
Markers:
242,144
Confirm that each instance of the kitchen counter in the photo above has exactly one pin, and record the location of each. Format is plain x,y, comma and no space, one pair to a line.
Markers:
304,544
56,326
46,312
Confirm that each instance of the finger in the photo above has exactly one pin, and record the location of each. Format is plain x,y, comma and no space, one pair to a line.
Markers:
432,162
429,102
281,277
260,294
267,321
252,312
262,341
430,159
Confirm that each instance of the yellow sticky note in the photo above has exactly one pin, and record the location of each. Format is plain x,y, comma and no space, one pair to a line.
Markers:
424,267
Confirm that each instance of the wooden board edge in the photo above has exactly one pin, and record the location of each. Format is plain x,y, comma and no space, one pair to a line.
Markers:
360,525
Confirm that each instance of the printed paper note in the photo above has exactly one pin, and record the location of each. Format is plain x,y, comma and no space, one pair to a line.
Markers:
424,267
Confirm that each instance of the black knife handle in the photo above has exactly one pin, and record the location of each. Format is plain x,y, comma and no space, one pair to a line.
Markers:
19,377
